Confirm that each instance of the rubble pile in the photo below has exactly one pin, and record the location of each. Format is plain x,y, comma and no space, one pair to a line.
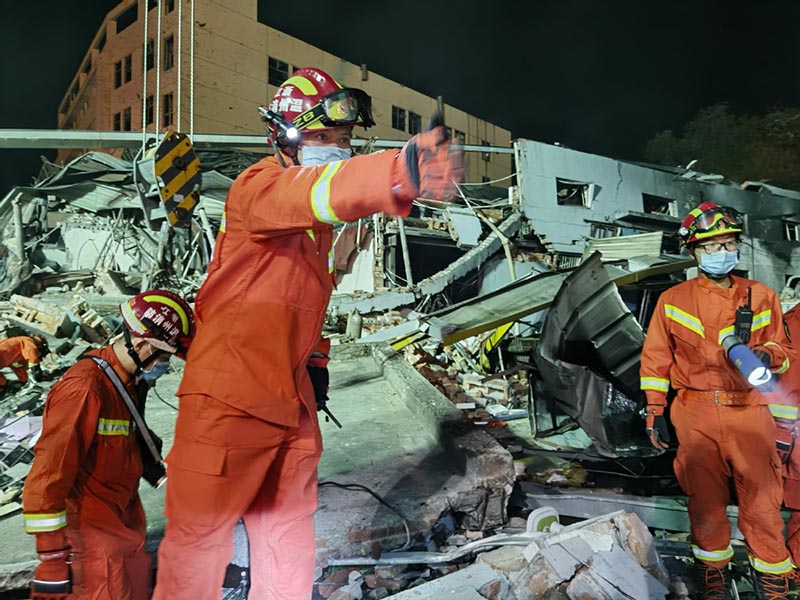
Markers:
612,556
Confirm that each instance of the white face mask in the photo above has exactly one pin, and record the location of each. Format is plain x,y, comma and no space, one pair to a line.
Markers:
320,155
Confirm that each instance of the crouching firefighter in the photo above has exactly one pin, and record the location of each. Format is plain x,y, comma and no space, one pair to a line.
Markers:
81,497
727,431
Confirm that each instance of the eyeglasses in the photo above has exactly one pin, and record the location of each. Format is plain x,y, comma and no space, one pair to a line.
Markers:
714,247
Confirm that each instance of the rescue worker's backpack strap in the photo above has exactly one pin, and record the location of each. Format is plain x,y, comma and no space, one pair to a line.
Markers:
109,372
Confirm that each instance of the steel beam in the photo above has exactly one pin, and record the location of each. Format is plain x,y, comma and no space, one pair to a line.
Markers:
58,138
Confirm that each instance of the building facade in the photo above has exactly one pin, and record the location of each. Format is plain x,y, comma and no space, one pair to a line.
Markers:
141,69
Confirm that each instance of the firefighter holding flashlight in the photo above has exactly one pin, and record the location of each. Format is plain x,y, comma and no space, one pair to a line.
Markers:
727,431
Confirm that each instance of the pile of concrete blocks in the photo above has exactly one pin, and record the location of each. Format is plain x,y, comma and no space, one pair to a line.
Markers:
605,558
40,315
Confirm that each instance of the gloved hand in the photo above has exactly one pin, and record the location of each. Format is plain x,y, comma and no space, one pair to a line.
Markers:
52,579
429,166
763,356
35,374
153,472
320,380
656,426
785,434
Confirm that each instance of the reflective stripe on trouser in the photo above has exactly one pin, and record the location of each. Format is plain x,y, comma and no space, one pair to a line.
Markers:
267,474
717,443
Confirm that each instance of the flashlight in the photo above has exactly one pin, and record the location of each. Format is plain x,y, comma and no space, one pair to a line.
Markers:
284,127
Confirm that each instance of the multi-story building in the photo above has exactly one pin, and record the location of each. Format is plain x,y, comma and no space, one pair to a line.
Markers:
141,69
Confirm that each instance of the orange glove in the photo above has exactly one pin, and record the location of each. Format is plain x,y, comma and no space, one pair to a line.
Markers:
785,434
52,580
656,426
428,166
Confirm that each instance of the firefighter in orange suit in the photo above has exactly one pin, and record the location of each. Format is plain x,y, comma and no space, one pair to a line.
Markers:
247,440
726,430
22,354
790,384
81,497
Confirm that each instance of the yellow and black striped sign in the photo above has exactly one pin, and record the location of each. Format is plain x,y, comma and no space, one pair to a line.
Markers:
177,171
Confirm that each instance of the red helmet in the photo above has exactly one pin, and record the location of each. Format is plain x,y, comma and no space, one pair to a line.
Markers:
312,99
162,318
709,220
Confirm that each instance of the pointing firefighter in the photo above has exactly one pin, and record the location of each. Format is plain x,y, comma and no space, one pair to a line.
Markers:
81,497
727,431
247,440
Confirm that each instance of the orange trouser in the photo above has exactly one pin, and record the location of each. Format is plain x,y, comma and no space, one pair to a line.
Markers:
98,574
717,443
791,499
226,464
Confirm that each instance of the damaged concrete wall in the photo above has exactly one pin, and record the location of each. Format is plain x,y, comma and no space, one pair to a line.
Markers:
615,189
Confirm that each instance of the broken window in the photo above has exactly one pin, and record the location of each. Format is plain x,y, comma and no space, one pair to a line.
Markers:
414,122
166,119
398,118
169,52
169,6
485,155
127,18
126,119
574,193
791,229
148,110
117,121
128,69
602,230
117,74
150,59
656,205
277,72
568,261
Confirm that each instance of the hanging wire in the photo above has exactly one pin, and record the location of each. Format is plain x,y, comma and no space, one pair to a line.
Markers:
180,27
158,73
144,75
191,70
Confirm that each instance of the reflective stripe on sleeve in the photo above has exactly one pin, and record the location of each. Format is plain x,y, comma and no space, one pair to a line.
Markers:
655,383
321,194
37,523
113,426
783,411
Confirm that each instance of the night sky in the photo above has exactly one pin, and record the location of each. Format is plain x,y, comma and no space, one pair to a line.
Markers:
601,77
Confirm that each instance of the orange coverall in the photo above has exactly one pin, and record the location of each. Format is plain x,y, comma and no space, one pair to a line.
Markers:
247,441
19,353
719,442
85,479
790,385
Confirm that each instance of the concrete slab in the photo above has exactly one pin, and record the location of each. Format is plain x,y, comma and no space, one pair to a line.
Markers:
401,438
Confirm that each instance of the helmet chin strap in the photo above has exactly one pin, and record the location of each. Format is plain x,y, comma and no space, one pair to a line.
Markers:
140,364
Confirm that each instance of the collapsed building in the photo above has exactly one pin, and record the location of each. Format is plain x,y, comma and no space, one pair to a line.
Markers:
496,344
